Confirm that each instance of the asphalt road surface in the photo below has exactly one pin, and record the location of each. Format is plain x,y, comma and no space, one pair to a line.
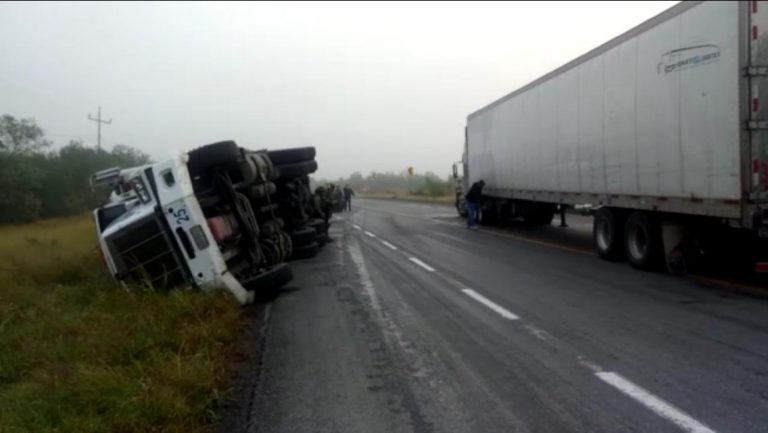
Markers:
410,322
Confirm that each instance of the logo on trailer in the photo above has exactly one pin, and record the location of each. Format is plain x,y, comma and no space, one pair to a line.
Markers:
686,58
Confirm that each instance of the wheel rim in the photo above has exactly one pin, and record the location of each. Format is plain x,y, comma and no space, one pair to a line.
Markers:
604,235
638,242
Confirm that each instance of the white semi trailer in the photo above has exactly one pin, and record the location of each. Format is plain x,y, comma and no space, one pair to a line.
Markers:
664,129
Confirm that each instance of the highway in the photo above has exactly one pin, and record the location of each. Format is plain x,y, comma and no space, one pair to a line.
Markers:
408,321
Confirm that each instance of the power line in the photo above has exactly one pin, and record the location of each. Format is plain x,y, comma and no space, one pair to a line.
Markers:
98,126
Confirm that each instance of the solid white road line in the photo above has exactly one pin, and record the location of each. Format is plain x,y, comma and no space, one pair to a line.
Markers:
503,312
369,234
657,405
422,264
390,246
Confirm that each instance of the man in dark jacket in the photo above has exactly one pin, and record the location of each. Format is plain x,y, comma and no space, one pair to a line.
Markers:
473,197
348,194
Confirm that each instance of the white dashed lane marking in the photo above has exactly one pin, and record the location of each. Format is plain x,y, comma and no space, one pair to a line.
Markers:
390,246
422,264
503,312
656,404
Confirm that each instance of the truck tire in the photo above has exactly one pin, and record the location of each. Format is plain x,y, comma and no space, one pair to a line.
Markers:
303,236
488,214
208,156
317,224
540,215
258,192
267,284
608,234
642,240
461,207
290,156
305,252
298,169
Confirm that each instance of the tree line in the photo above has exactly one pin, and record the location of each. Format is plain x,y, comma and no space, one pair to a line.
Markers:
428,184
37,181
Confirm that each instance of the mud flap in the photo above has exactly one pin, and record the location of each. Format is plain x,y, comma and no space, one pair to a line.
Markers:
671,240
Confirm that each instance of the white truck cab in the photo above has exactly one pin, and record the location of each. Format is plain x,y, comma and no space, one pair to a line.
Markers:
154,230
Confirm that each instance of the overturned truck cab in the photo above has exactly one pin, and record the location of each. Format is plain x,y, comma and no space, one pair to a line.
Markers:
202,219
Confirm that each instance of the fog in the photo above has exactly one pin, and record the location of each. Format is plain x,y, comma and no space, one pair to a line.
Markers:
375,87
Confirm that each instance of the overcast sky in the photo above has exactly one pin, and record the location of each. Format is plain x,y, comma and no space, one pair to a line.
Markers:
375,87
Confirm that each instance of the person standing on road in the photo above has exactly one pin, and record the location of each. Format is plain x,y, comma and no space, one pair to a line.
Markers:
473,202
348,194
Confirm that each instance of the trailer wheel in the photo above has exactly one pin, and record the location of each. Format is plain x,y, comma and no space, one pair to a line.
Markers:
643,241
488,214
305,252
608,234
317,224
290,156
258,192
540,214
302,237
267,284
211,155
299,169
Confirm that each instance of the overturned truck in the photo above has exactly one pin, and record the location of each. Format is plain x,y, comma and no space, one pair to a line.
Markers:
211,218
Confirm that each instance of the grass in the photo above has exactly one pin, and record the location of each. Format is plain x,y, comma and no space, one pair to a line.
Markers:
79,353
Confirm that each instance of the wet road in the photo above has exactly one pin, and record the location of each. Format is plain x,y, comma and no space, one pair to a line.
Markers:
410,322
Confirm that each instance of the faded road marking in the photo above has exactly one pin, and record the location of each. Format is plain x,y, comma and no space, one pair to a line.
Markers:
369,234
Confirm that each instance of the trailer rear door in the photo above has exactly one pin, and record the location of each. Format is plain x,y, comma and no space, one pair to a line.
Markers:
757,76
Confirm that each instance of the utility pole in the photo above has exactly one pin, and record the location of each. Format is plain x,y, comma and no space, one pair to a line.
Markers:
98,121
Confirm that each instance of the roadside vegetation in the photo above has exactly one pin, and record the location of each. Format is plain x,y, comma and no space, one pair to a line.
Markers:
419,187
80,354
41,180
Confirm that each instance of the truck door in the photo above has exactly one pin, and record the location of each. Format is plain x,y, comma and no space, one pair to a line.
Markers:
757,75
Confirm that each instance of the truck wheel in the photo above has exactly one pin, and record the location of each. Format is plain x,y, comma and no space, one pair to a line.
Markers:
318,225
608,234
211,155
258,192
642,241
461,207
488,214
267,284
303,237
290,156
299,169
305,252
540,215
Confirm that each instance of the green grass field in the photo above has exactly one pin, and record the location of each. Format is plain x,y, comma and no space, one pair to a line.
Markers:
78,353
